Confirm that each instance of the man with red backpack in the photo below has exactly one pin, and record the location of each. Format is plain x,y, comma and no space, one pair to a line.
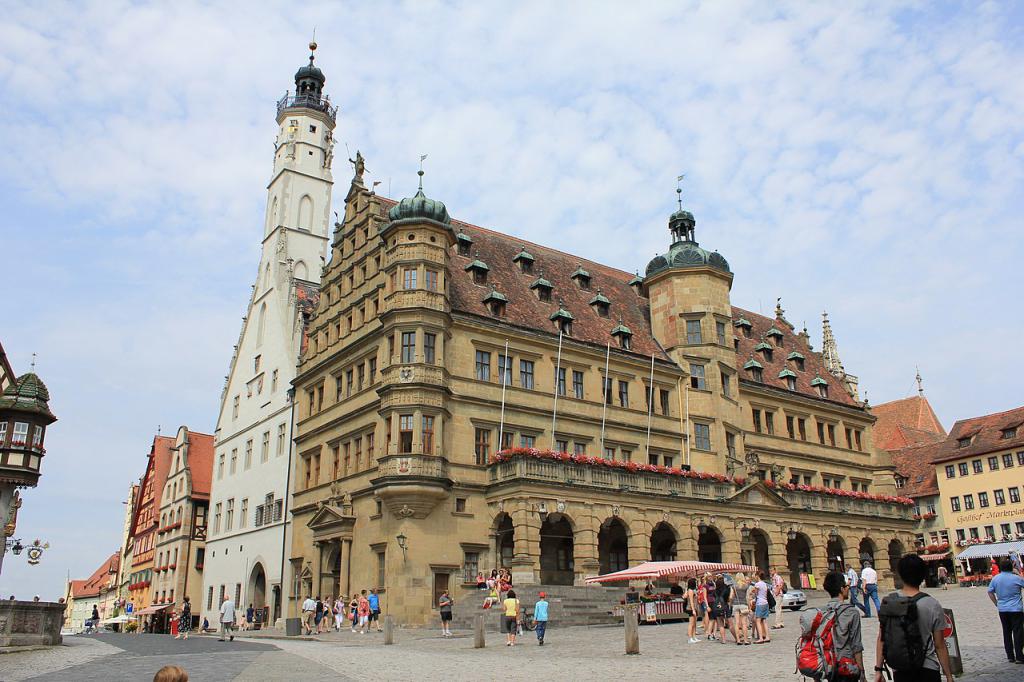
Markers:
830,648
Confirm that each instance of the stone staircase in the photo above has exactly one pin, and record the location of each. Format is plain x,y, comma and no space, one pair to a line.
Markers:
567,605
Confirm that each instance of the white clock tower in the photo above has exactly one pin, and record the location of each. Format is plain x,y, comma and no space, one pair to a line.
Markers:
249,494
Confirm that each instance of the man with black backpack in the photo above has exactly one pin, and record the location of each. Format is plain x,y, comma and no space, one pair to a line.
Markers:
910,640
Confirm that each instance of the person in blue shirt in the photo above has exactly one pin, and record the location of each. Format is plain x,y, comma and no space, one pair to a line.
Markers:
374,600
1004,591
540,617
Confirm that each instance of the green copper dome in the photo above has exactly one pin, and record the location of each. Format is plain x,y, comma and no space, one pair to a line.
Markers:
420,207
685,252
27,394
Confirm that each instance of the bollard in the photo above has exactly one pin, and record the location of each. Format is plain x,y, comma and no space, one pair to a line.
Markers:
389,629
632,628
478,632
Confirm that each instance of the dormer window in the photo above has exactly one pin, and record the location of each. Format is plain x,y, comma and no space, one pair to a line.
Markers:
1008,433
525,260
543,288
963,442
764,349
637,283
776,336
581,277
562,319
600,304
820,385
797,359
495,302
743,325
623,334
790,378
755,369
464,243
479,270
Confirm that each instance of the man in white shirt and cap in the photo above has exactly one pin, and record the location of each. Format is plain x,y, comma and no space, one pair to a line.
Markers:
853,580
869,582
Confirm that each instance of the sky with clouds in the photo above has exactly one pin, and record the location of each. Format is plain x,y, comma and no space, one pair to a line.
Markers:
859,158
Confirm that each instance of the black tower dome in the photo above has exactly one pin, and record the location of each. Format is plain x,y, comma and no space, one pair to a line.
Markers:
309,79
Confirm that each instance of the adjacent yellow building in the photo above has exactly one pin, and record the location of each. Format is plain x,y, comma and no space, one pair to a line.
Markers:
469,400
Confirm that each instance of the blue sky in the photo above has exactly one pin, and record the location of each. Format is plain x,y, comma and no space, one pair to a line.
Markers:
862,159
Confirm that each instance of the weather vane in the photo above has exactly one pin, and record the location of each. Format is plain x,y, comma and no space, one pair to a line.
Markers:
679,190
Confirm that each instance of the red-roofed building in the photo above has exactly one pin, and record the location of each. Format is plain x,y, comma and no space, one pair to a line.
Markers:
98,590
180,549
144,521
497,402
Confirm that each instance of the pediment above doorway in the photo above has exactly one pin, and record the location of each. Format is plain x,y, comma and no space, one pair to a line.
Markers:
331,521
758,492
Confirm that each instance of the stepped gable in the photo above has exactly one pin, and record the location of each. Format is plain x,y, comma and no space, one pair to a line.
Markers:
524,309
200,463
985,433
814,366
915,464
906,422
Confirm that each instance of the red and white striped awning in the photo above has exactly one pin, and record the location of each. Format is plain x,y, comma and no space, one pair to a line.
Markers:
934,557
651,570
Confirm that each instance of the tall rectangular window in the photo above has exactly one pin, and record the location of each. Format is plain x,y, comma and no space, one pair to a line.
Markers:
507,439
577,384
428,434
726,385
526,373
730,443
243,513
579,448
405,433
790,427
358,448
802,427
978,466
281,428
526,441
999,497
608,390
408,347
702,436
430,280
665,406
483,365
693,332
482,445
857,441
372,368
821,433
769,422
229,514
220,466
968,501
409,278
1014,494
756,414
381,570
720,332
233,467
832,435
360,375
698,379
993,463
561,446
3,433
983,499
504,369
248,454
349,382
216,517
962,468
429,348
265,449
623,393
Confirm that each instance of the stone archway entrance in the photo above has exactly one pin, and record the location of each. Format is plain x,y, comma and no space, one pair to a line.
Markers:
709,545
258,592
613,546
866,552
895,554
557,566
755,550
663,543
798,558
504,540
836,554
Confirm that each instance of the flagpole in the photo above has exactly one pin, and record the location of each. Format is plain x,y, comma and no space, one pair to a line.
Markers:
686,437
604,385
505,370
650,408
554,409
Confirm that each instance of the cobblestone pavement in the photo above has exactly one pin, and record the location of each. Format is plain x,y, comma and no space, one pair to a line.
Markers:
594,653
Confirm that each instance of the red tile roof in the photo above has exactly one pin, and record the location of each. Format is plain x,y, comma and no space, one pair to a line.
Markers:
910,421
200,462
985,433
915,464
91,586
814,365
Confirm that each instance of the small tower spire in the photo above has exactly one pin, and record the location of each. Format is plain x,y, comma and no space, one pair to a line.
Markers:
34,366
920,388
679,191
829,349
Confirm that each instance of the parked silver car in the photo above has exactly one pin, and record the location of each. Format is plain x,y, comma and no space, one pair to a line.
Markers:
794,600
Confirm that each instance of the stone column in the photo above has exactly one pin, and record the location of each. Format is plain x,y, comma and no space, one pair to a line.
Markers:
585,540
318,576
686,546
730,543
819,554
639,540
526,558
417,431
345,557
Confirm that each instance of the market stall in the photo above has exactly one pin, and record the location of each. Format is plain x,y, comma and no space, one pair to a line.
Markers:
658,607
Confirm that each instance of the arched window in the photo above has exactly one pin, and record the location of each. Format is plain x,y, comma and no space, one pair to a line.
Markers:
301,271
261,323
305,213
272,217
266,277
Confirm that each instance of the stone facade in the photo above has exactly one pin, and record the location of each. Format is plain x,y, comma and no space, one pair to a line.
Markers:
28,623
748,448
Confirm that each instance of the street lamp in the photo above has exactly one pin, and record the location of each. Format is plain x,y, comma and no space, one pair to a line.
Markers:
833,534
745,531
17,547
791,534
403,543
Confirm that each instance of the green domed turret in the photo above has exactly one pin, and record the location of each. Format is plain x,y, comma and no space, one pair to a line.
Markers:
685,251
420,207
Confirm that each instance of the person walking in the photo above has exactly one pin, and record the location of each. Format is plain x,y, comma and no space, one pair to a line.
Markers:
761,610
778,589
227,619
510,617
444,605
741,609
353,612
943,575
185,620
1004,591
250,613
318,615
308,614
690,597
374,600
930,622
869,581
339,613
540,617
853,582
846,631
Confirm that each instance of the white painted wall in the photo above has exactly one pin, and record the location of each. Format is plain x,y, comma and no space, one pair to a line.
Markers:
295,241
